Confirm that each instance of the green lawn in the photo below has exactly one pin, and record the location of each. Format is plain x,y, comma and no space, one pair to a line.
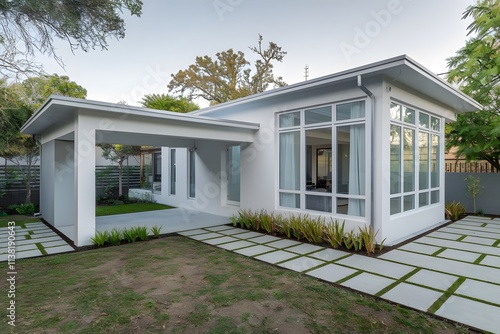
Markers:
178,285
107,210
100,211
19,219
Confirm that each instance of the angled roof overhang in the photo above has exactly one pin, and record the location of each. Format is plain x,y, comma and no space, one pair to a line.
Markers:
60,112
401,69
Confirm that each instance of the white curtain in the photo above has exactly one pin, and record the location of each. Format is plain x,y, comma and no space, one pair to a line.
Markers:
289,166
357,163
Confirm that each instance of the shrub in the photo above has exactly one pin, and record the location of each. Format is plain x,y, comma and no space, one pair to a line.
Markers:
296,226
312,229
284,226
114,237
129,234
156,230
99,239
268,222
334,233
141,232
454,210
368,238
23,209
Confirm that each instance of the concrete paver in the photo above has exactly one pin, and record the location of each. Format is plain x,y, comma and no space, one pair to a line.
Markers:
276,256
472,313
412,296
480,290
332,272
237,244
433,279
455,254
368,283
301,264
376,266
493,261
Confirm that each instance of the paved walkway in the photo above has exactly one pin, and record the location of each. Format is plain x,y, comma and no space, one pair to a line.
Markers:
33,239
453,272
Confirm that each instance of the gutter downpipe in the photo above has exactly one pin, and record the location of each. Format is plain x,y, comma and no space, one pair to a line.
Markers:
372,119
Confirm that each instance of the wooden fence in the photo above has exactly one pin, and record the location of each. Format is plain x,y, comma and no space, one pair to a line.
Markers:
462,166
13,189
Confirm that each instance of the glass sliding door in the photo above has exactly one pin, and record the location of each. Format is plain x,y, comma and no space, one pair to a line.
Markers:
173,171
191,173
233,173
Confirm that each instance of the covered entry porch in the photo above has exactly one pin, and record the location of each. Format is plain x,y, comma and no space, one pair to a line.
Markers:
69,129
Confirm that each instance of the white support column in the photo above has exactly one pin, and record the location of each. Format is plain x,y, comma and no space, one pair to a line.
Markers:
47,188
84,180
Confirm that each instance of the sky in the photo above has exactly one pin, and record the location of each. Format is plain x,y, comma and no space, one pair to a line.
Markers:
326,35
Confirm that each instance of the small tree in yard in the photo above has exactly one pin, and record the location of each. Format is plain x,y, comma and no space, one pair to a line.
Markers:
119,154
473,188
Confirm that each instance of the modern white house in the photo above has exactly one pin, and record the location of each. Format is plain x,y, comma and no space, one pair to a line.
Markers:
365,146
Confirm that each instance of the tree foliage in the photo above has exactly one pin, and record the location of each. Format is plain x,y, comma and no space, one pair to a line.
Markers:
20,101
119,153
229,76
476,67
28,27
170,103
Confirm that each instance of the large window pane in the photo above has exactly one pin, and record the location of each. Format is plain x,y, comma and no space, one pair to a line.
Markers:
320,159
318,115
289,163
319,203
351,206
351,110
289,120
395,159
434,161
351,159
423,143
409,160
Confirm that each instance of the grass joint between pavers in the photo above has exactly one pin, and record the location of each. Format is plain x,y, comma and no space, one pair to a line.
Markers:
397,282
439,251
479,259
447,294
41,248
359,272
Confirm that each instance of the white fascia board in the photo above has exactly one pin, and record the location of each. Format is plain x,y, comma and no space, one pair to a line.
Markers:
75,104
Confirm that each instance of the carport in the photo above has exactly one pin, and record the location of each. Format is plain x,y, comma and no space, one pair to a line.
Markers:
68,130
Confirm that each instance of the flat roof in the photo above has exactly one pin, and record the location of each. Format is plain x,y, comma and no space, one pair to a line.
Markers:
59,109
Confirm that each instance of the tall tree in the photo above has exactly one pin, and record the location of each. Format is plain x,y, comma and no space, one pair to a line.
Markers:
29,26
229,76
119,154
21,102
476,68
170,103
